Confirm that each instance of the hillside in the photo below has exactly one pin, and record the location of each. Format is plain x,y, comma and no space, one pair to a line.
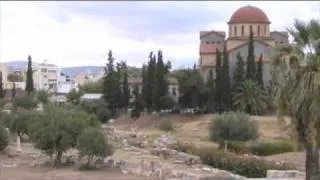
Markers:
71,71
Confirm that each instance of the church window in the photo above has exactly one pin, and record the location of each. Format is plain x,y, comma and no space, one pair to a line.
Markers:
242,30
258,30
235,30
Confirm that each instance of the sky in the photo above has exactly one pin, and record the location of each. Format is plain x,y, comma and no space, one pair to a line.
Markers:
81,33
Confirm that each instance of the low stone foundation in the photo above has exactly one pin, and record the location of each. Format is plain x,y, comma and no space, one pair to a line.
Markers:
155,169
285,174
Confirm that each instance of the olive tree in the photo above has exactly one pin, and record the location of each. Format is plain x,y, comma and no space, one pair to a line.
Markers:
4,138
92,143
58,128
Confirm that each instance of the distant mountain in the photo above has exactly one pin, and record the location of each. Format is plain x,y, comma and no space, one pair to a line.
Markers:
72,71
17,64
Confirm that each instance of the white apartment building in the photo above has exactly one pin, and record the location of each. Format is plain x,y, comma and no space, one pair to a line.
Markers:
45,76
64,83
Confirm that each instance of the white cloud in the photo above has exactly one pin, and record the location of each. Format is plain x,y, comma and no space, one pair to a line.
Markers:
84,39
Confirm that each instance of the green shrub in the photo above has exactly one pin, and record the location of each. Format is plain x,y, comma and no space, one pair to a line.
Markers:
270,148
4,138
87,167
233,126
238,147
246,166
25,102
166,125
92,143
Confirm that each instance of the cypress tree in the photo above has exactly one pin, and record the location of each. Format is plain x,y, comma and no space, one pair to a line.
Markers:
251,66
29,81
226,81
137,104
144,85
150,82
219,82
161,81
153,82
111,86
239,73
260,71
1,87
125,86
210,90
13,91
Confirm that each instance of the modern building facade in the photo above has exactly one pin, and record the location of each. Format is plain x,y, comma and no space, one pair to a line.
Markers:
45,76
244,20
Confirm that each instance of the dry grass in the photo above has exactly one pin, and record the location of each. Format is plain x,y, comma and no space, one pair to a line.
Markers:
194,128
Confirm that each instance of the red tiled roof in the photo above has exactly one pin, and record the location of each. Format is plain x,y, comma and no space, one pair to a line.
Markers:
210,48
220,33
249,14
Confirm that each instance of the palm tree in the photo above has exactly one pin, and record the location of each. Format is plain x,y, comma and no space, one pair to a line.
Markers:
249,97
298,88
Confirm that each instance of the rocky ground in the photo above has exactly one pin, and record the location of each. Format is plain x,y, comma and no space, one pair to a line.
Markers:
140,154
28,165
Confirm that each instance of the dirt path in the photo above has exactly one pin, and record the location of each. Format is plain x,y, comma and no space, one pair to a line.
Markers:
23,173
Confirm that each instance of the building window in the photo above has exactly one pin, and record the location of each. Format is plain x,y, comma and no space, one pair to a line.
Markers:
212,42
242,30
265,30
251,28
218,42
207,42
281,42
45,76
235,30
258,30
43,70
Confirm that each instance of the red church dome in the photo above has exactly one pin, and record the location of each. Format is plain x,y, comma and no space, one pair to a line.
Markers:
249,14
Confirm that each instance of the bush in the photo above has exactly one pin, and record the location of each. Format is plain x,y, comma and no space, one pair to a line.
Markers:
99,108
92,143
103,114
246,166
4,138
238,147
270,148
234,126
166,125
25,102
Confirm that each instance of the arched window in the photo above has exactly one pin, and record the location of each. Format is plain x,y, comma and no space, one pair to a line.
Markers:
242,30
251,28
258,30
235,30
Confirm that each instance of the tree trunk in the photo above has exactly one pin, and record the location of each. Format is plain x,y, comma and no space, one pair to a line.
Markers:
58,159
18,144
312,162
